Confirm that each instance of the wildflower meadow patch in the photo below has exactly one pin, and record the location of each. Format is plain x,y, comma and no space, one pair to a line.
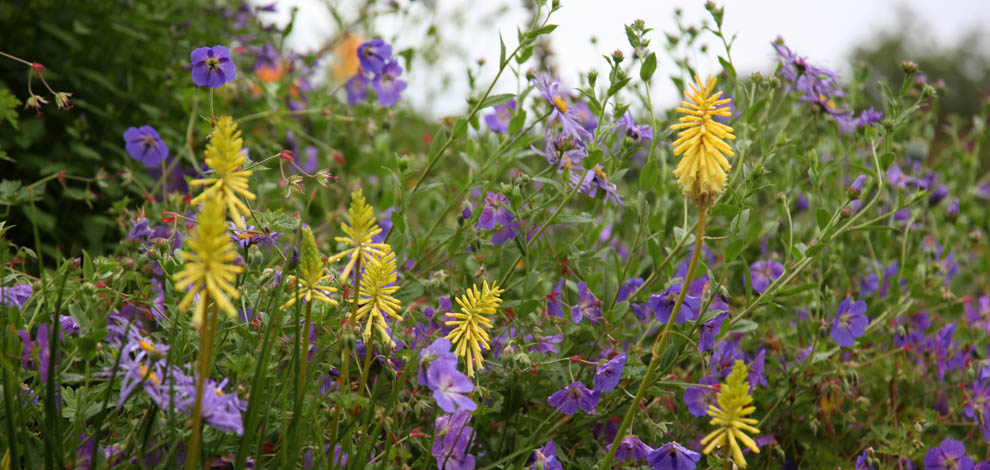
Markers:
283,265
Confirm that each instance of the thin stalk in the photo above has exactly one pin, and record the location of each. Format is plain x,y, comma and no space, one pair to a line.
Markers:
302,352
203,363
661,341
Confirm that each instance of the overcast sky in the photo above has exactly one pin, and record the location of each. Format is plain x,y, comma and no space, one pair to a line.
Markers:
823,31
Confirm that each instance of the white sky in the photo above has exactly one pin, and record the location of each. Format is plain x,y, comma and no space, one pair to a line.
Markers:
822,31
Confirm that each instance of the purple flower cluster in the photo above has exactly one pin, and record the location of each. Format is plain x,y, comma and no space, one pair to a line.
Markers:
375,57
566,149
820,86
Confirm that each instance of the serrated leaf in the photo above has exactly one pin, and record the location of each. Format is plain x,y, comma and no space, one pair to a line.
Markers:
8,107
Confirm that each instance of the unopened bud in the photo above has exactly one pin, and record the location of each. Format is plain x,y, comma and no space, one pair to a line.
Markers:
618,56
856,188
909,67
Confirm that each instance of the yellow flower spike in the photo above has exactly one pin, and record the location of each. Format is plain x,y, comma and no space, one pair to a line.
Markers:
375,295
730,417
208,263
360,228
470,334
312,275
703,166
225,156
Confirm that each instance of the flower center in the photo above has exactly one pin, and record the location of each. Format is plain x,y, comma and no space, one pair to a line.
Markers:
150,375
559,103
213,63
148,141
146,346
600,173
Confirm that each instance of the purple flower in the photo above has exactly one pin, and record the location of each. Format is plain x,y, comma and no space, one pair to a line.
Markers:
697,399
546,344
574,397
545,458
608,375
496,212
940,345
212,67
453,438
673,456
437,351
221,410
626,127
663,305
387,84
631,447
562,151
896,176
725,355
384,223
587,118
940,192
16,295
568,116
949,455
850,322
978,313
357,88
145,146
953,209
709,331
628,287
801,204
39,350
594,180
588,306
861,463
869,117
498,121
553,301
450,386
856,188
765,272
374,55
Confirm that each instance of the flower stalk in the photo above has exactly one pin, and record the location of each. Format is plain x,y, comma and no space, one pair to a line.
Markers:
661,342
203,364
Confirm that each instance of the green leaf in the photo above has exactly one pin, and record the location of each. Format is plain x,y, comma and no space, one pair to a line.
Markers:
501,54
648,177
728,67
496,100
823,217
735,247
8,107
460,129
87,266
743,326
541,31
649,66
517,122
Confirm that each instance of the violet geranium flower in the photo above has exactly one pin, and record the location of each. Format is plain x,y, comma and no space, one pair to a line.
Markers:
450,387
212,67
574,397
850,322
16,295
496,212
387,84
588,306
145,146
608,375
673,456
950,454
374,55
545,458
765,272
631,447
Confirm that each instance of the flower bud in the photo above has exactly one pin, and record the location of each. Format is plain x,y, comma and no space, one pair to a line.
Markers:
952,211
856,188
909,67
939,193
618,56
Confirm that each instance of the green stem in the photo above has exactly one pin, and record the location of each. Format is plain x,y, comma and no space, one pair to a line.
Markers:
661,342
303,356
205,356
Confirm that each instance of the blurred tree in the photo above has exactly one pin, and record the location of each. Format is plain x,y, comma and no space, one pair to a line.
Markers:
964,67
